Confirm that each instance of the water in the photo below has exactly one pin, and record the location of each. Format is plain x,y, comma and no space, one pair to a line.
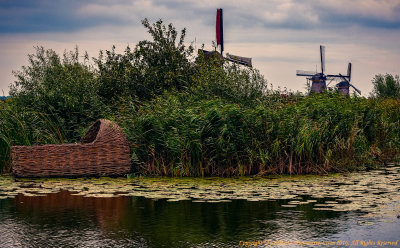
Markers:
73,213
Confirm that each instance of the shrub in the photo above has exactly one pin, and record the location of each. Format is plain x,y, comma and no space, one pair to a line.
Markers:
150,69
386,86
215,77
63,89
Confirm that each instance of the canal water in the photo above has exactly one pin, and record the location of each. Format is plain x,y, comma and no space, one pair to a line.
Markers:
352,210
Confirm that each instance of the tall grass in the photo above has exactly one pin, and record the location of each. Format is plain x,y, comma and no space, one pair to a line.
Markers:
175,135
24,128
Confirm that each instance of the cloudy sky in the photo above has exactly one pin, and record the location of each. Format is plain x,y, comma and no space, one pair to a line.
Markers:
280,35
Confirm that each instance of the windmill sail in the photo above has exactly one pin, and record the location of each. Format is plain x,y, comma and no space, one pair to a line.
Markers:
239,59
220,30
322,51
304,73
349,71
358,91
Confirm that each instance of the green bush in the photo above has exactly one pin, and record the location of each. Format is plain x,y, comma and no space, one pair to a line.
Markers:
65,89
215,77
386,86
150,69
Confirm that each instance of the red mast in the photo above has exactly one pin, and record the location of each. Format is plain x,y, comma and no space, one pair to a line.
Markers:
220,30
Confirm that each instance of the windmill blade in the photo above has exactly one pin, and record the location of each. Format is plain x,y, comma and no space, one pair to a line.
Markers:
331,79
358,91
239,59
335,76
304,73
322,52
344,78
349,71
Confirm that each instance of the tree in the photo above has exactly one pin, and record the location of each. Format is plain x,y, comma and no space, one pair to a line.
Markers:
150,69
164,62
63,88
386,86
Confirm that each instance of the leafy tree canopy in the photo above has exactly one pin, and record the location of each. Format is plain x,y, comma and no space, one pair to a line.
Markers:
386,86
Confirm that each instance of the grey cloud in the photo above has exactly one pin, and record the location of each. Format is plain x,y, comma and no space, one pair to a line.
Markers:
306,14
26,16
40,16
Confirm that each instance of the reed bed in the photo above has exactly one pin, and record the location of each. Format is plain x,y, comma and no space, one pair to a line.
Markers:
178,136
24,127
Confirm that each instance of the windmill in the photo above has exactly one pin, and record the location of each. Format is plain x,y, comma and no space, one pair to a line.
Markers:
344,86
318,80
219,28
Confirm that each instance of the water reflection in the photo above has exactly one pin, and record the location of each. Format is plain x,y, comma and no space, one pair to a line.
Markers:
67,220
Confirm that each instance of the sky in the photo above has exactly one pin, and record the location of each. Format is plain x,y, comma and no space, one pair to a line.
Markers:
281,36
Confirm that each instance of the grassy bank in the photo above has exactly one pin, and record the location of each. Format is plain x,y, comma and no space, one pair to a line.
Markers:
194,116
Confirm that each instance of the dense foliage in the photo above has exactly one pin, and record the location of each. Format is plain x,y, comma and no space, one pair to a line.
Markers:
150,69
65,89
386,86
187,116
178,135
24,127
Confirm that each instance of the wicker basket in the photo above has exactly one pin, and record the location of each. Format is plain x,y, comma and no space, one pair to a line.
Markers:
103,151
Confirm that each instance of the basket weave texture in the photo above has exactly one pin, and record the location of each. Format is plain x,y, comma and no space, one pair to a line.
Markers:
103,151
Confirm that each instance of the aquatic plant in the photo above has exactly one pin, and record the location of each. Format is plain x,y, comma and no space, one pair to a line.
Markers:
367,191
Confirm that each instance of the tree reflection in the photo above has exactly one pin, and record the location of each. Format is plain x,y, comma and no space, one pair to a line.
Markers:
159,223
